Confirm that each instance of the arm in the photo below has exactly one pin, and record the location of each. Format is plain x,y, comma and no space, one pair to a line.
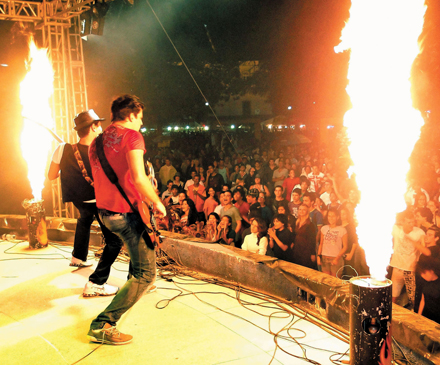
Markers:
237,229
422,304
54,171
266,190
320,248
343,249
419,246
263,246
141,181
274,237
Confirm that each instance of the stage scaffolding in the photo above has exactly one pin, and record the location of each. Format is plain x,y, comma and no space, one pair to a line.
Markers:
59,23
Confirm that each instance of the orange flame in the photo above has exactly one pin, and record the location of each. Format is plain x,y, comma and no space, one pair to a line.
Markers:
35,91
382,126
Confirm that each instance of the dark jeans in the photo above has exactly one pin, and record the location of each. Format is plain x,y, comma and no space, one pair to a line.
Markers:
130,228
113,243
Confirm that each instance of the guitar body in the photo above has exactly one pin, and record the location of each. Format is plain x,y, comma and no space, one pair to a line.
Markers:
146,215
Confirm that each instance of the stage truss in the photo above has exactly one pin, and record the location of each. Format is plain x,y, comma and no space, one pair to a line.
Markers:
59,23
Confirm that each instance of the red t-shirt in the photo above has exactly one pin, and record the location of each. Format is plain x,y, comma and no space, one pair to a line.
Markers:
289,184
198,201
117,141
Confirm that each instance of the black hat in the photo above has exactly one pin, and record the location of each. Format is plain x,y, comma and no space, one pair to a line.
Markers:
85,119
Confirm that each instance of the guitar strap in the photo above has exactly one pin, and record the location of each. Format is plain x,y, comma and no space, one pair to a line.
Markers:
81,164
111,175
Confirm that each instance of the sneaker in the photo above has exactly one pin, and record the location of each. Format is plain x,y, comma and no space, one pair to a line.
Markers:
109,335
93,290
79,263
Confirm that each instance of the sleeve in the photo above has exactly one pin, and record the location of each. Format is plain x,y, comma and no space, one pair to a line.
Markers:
319,219
58,153
244,246
263,246
134,141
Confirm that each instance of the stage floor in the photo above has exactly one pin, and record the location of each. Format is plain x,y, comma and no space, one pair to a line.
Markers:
44,319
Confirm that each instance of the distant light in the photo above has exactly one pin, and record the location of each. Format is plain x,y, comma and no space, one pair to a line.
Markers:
187,127
143,129
269,126
428,111
314,102
206,128
292,126
330,126
232,126
302,125
289,107
176,128
169,128
206,103
4,65
279,127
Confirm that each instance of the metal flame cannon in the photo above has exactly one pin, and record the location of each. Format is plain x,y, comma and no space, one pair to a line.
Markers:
36,222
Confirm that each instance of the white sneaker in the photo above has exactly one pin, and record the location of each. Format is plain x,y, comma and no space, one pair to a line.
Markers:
93,290
79,263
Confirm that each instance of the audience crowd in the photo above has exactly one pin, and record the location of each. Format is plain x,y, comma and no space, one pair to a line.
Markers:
296,203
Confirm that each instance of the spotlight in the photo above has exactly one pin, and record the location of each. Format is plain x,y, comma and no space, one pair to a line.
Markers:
176,128
232,126
99,10
169,128
206,103
289,107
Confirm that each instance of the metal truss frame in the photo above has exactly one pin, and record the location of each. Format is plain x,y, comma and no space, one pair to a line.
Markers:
59,22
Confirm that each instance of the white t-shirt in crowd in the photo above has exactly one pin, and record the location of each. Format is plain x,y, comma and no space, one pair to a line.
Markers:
405,255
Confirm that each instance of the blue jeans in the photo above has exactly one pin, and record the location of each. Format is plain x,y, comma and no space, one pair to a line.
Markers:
130,228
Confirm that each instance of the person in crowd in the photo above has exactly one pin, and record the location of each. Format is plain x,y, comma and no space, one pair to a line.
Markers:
214,180
430,271
202,174
173,199
432,206
259,170
188,215
254,205
223,170
266,212
295,202
225,187
197,193
328,189
290,183
211,203
291,220
259,186
423,218
228,209
333,245
178,182
304,249
320,206
334,203
167,193
239,185
250,178
315,215
256,241
281,240
184,167
167,171
190,181
354,259
211,227
225,233
414,191
279,200
70,161
304,185
195,166
407,244
117,215
316,178
279,175
241,205
235,175
306,171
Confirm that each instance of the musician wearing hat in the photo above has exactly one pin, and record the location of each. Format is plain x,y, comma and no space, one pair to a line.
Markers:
71,163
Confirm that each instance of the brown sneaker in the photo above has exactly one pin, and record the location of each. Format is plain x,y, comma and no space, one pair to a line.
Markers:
109,335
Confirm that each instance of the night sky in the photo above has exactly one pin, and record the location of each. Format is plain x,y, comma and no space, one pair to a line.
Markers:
293,40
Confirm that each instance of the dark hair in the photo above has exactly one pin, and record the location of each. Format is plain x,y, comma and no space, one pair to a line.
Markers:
436,230
217,218
428,263
175,187
311,195
241,191
192,214
297,191
304,179
124,105
169,181
262,225
425,213
229,218
83,132
281,218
